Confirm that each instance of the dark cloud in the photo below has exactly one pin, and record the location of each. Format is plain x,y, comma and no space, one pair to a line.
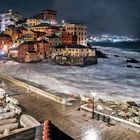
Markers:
102,16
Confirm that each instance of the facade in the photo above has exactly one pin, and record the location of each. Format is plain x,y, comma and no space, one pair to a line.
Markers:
79,30
18,41
5,43
51,16
33,22
9,18
13,53
42,27
33,51
73,51
54,40
68,38
30,35
13,32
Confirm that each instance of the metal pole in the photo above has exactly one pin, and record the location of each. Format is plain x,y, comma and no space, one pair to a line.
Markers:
93,109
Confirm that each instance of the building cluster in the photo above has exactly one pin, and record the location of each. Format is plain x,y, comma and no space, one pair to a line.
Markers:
41,37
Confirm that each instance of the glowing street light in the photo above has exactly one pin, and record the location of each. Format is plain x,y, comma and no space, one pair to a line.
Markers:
63,21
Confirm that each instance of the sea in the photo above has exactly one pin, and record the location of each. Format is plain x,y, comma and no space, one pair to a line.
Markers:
110,79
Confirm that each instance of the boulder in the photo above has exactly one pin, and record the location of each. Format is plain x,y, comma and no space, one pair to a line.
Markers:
129,66
101,55
131,103
116,55
137,67
132,60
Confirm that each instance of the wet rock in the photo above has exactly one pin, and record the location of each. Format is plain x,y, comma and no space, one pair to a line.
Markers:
137,67
131,103
116,55
129,66
124,106
101,55
131,60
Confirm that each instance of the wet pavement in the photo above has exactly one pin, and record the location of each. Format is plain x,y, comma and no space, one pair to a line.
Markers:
78,125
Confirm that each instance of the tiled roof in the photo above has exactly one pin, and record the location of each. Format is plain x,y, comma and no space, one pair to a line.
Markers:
51,132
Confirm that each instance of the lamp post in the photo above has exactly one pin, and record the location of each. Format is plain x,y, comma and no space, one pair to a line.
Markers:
93,96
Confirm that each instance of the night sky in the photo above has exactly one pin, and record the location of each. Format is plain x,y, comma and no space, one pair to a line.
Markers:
120,17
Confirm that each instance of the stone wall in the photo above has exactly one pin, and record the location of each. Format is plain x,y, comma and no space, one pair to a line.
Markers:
35,89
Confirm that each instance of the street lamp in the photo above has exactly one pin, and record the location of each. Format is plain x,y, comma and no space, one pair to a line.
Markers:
93,95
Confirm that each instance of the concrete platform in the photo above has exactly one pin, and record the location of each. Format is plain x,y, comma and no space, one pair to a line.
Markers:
78,125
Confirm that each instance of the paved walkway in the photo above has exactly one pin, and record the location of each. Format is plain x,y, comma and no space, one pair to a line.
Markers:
77,124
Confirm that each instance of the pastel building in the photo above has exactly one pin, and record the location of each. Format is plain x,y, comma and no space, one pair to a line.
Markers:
73,51
33,22
5,44
33,51
9,18
68,38
13,32
79,30
54,40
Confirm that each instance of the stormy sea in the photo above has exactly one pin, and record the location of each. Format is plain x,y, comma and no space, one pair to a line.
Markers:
116,77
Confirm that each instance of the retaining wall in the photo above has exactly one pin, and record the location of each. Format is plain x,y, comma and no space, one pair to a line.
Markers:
34,89
124,123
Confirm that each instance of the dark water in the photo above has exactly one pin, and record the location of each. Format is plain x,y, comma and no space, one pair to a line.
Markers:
130,46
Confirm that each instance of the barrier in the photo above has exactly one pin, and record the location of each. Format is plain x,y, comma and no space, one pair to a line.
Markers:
34,89
127,124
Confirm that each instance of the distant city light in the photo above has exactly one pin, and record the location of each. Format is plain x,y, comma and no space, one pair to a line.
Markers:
63,21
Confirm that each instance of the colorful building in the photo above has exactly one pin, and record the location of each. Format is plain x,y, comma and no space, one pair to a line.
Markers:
30,35
73,51
68,38
54,40
5,43
42,27
79,30
33,22
13,52
18,41
9,18
33,51
13,32
49,15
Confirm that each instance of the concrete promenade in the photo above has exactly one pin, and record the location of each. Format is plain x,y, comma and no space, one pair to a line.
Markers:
78,125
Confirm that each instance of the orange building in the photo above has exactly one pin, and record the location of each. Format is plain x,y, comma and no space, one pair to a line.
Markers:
13,32
68,38
5,42
33,51
50,15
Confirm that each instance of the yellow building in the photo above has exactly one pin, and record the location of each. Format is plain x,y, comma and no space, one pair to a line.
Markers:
30,35
79,30
13,32
42,27
33,22
18,41
32,57
13,53
73,51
